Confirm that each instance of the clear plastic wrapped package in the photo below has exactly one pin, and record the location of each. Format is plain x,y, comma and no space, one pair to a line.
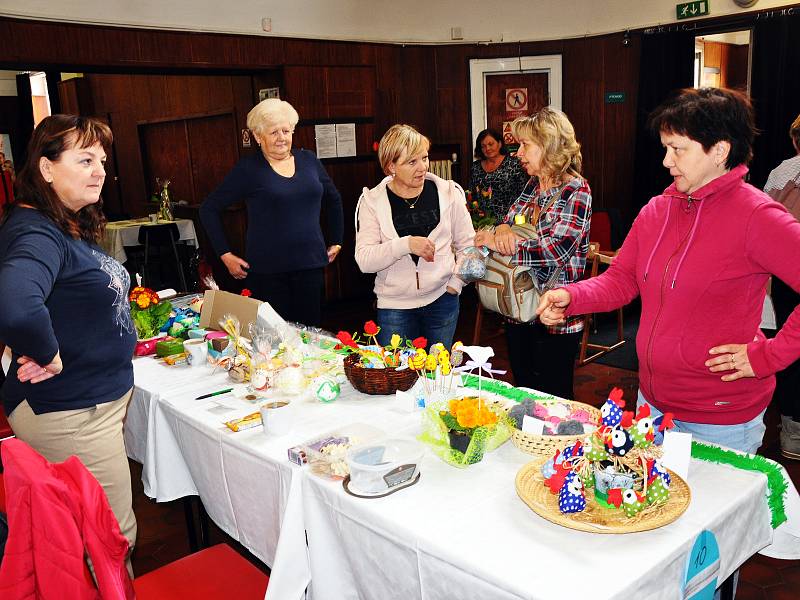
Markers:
471,263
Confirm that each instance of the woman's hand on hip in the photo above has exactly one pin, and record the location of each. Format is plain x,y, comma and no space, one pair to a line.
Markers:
505,240
731,358
552,305
235,265
422,247
30,370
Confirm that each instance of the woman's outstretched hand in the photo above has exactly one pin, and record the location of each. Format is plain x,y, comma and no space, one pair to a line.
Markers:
552,305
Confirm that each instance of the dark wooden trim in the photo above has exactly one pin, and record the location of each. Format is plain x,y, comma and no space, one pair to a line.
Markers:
334,120
339,160
214,113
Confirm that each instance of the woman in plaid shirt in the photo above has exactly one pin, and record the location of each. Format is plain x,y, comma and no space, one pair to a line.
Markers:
543,357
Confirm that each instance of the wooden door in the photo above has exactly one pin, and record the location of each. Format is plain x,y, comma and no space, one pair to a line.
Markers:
535,96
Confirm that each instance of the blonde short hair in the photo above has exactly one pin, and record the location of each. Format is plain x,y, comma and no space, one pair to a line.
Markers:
551,130
271,112
397,140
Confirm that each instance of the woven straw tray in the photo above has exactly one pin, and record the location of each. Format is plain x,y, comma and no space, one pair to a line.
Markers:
546,445
596,519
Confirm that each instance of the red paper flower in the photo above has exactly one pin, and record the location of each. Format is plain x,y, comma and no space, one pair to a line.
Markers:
346,339
246,293
370,328
420,342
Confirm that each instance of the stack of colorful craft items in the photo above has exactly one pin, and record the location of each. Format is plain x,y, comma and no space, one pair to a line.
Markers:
181,322
620,460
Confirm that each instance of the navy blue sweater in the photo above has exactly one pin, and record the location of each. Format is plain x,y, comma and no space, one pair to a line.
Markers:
283,230
63,295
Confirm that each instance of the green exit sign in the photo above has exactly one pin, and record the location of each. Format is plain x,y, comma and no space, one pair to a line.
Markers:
615,97
689,10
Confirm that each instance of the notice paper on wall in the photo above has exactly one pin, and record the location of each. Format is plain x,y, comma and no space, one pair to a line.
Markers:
326,140
335,140
346,139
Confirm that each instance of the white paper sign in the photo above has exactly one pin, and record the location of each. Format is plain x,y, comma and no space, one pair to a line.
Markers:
532,425
677,452
346,139
326,140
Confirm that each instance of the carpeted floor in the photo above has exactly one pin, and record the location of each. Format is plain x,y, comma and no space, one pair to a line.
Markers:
605,333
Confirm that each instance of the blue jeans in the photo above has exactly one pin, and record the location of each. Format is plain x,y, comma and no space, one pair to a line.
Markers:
745,437
436,322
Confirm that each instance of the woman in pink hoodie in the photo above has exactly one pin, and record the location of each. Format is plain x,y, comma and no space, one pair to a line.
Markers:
407,230
699,256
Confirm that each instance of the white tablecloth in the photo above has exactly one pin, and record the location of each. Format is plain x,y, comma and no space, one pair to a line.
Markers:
455,534
119,234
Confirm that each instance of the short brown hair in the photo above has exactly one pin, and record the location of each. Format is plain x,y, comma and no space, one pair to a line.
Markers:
708,116
551,130
51,138
397,140
794,133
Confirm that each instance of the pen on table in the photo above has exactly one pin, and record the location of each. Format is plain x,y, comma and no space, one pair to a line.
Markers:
225,391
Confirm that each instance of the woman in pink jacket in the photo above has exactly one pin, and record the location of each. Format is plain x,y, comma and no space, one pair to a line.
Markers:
699,256
408,228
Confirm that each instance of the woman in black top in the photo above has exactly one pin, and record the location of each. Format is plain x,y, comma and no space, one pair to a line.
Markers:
66,314
496,178
284,190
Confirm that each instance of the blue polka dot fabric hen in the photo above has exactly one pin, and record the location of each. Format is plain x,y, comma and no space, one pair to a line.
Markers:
571,498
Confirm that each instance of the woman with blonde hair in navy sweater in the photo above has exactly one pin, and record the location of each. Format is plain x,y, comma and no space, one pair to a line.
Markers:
284,190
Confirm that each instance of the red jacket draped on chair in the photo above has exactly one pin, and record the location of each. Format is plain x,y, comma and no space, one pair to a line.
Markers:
54,512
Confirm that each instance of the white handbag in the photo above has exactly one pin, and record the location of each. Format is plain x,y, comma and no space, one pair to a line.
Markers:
511,289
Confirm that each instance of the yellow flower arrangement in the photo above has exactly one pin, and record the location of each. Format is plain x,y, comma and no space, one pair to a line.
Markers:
467,414
148,311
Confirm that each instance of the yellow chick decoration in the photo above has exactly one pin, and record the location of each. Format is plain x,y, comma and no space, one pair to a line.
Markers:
430,363
417,362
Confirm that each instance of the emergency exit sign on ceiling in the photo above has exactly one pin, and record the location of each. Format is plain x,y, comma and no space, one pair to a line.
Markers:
689,10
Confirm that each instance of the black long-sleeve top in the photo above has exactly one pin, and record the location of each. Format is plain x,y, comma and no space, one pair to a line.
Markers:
283,231
63,295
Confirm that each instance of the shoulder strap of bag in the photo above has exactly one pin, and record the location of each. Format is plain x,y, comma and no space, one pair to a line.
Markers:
537,212
557,273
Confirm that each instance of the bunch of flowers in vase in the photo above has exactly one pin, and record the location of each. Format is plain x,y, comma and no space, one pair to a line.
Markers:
477,200
463,417
149,314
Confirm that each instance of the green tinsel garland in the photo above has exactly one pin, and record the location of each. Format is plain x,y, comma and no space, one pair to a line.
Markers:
776,483
500,388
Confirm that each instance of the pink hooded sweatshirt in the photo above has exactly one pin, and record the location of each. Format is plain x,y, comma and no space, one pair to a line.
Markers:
380,250
700,264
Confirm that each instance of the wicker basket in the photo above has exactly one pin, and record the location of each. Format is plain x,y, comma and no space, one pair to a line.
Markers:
546,445
377,382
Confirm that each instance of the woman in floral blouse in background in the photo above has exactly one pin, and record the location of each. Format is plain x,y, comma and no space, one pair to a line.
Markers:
498,171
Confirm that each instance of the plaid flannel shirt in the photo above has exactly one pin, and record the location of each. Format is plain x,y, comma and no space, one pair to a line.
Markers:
563,237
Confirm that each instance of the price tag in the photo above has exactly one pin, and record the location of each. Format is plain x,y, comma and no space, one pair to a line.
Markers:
532,425
702,569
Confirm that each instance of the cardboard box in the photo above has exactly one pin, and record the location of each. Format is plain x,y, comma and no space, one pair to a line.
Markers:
217,303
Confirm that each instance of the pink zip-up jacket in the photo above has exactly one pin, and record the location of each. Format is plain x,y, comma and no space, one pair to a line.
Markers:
700,264
381,251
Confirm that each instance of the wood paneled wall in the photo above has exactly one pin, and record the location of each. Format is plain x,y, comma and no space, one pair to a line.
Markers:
427,86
